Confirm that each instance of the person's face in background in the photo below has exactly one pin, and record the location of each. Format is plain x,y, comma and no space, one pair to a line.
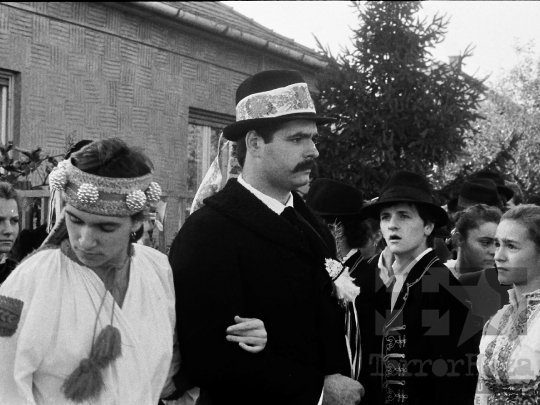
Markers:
477,250
9,224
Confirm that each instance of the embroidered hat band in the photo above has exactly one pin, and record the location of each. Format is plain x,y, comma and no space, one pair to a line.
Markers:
104,195
291,99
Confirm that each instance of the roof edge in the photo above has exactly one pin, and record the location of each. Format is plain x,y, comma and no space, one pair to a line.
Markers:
228,31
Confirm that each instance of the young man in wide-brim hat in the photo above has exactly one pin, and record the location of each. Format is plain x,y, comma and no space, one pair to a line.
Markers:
255,250
422,308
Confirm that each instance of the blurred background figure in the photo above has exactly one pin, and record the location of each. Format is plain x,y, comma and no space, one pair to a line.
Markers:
9,228
339,204
31,239
474,238
517,199
476,191
534,199
505,193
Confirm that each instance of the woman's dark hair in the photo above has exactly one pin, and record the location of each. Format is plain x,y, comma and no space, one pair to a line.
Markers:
474,216
112,157
7,192
266,133
527,215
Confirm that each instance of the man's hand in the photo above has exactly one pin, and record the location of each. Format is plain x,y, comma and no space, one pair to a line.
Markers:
249,333
341,390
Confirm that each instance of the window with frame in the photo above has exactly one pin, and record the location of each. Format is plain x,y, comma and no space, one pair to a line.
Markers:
6,106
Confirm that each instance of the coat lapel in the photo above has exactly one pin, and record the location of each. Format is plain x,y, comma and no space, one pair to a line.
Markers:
238,203
415,276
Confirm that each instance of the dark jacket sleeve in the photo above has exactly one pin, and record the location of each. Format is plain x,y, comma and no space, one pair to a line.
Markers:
208,284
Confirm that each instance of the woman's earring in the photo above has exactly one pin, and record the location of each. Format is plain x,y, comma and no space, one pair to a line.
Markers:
133,237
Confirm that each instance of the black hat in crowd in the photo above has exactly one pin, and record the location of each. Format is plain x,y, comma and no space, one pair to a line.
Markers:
507,192
328,197
475,191
405,186
271,97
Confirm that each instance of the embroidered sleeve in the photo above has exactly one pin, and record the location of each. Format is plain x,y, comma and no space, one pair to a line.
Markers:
10,314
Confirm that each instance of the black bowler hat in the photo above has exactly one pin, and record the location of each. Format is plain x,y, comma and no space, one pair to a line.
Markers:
405,186
475,191
272,97
507,192
328,197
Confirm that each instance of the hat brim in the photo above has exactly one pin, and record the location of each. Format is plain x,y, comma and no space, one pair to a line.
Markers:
238,129
338,214
453,205
439,214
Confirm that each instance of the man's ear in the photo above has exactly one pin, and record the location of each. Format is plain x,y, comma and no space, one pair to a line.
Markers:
253,143
428,228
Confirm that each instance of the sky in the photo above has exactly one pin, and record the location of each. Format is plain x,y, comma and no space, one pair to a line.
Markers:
492,27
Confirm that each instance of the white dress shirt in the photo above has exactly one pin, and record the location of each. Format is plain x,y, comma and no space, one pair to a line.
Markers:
389,272
270,202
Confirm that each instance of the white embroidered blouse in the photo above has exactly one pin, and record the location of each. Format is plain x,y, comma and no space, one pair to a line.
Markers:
509,360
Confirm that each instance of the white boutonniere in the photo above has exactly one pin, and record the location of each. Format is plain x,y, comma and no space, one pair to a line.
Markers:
345,289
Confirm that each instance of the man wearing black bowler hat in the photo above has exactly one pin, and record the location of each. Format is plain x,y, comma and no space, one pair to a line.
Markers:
255,250
423,320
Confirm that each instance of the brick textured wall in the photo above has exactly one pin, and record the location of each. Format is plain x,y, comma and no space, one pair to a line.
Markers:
96,71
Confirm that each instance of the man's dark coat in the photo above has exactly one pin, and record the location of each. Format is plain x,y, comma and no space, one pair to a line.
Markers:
424,351
233,257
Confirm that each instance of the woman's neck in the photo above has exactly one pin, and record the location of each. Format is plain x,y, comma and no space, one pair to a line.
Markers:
463,267
529,287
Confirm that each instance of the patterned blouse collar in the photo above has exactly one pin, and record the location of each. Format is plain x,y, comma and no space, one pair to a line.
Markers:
514,299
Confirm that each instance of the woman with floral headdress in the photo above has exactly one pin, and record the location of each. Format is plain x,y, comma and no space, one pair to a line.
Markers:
90,317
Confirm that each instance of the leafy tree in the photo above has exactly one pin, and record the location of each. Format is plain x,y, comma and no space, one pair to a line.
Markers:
396,106
507,139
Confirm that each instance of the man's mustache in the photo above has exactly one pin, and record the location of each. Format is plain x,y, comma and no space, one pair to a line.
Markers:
305,165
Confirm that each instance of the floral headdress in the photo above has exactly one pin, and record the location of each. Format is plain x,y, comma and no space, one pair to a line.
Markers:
104,195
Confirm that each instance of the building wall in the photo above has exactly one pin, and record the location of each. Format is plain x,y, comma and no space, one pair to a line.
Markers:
91,71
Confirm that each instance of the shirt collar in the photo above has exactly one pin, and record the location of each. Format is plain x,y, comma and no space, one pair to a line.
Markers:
512,296
388,272
270,202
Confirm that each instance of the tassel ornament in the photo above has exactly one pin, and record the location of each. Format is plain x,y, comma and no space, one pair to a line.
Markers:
107,347
84,383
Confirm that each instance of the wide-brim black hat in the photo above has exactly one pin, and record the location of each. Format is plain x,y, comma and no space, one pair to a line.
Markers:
405,186
475,191
507,192
333,198
269,98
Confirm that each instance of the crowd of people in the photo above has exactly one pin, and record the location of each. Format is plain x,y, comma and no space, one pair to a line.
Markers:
268,296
